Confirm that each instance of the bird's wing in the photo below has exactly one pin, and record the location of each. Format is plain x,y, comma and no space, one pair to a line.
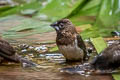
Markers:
115,52
81,45
116,55
6,48
112,52
81,42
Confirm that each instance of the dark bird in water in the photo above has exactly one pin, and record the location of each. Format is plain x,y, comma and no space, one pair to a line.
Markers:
69,42
115,33
8,53
108,59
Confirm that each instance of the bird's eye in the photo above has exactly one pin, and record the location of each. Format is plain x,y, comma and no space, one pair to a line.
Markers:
61,24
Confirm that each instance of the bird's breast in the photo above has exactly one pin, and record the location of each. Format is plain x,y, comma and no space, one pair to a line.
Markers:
71,52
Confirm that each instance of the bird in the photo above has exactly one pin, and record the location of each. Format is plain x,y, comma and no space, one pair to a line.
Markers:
115,33
69,42
108,59
8,53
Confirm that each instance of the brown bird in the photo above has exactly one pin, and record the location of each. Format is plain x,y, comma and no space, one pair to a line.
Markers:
108,58
8,53
69,42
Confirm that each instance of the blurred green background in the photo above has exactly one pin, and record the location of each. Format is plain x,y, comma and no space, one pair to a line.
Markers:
96,17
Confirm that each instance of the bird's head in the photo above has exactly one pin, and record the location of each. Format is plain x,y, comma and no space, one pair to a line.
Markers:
64,24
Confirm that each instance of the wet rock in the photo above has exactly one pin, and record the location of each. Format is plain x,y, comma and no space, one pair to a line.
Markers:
37,49
23,46
31,55
24,50
54,56
31,47
44,67
41,48
86,64
88,73
81,72
83,69
42,55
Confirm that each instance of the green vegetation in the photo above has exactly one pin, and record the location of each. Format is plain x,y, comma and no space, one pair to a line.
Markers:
99,44
103,15
54,49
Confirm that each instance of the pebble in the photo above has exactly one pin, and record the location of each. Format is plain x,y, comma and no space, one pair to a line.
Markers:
87,75
31,47
23,46
24,50
37,49
81,72
31,55
85,64
43,48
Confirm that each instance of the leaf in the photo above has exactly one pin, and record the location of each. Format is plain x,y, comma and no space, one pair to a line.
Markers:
53,49
105,23
95,31
99,44
90,33
116,76
57,9
85,14
109,15
17,9
26,27
5,8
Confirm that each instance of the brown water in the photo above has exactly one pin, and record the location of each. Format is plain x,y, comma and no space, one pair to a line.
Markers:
15,72
48,69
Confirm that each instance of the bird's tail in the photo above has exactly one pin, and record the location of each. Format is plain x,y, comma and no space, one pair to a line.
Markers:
17,58
9,58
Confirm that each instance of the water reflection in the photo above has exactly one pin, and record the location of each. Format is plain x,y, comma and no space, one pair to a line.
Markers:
48,69
18,73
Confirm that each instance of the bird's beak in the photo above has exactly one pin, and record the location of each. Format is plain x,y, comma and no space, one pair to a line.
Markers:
55,26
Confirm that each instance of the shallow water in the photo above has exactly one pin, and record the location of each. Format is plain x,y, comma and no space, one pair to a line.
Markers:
49,65
16,72
48,69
